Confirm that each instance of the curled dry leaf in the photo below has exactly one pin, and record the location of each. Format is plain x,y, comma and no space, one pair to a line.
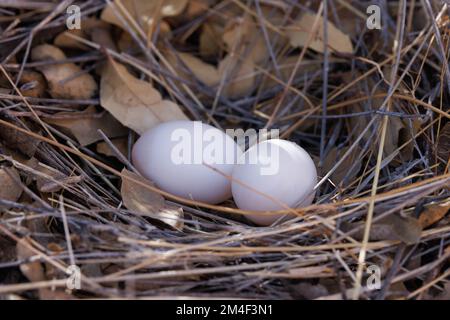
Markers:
89,26
149,203
204,72
47,52
66,80
32,84
240,75
142,12
299,33
245,33
84,125
64,40
433,214
10,190
134,102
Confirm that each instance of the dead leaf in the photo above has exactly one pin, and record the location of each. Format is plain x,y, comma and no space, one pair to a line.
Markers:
240,76
142,11
311,272
409,130
134,102
65,41
286,66
126,42
66,80
445,295
33,270
48,179
443,145
277,15
17,140
148,203
433,214
7,252
102,36
88,27
84,125
121,144
393,128
32,84
242,34
210,39
204,72
393,227
10,190
343,170
406,229
47,52
56,182
299,33
306,290
196,8
397,291
398,132
349,21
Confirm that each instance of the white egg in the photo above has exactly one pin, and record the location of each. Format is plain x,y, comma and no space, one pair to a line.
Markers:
273,175
188,159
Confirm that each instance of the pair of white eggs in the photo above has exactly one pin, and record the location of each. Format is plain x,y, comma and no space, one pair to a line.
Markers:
199,162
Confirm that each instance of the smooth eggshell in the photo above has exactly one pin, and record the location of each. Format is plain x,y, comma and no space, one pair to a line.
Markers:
153,157
288,184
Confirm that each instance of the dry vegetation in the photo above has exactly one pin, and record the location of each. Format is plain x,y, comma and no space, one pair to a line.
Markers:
371,106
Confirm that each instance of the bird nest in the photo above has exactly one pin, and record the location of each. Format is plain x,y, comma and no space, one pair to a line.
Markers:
367,99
